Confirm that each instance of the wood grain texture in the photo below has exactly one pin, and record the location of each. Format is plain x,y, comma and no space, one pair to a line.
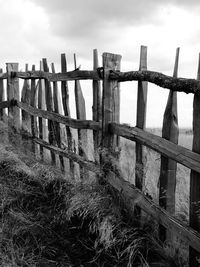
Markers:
178,153
195,176
110,108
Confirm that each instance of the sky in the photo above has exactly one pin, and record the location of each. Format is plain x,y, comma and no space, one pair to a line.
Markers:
35,29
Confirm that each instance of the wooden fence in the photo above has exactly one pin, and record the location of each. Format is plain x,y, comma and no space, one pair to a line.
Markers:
37,116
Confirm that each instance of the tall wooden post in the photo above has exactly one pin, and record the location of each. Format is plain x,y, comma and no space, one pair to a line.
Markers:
170,131
111,101
96,108
195,177
33,103
13,93
141,121
2,97
65,103
49,105
57,125
81,115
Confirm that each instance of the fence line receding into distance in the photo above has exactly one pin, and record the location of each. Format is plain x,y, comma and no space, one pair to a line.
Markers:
37,120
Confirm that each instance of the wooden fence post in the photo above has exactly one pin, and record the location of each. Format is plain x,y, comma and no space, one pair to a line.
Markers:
49,105
96,108
194,257
2,98
57,125
81,115
170,131
141,121
13,112
33,101
65,103
111,101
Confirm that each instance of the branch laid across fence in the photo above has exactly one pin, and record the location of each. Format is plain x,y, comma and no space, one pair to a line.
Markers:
178,153
77,124
175,84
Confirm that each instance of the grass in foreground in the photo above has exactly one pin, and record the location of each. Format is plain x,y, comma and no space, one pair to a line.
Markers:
48,221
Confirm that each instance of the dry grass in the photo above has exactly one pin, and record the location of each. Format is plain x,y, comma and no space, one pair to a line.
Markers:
48,221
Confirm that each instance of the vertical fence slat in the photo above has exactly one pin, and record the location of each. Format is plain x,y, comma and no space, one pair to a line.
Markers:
41,106
2,98
66,109
195,177
13,93
81,115
170,131
33,101
110,89
49,106
141,121
96,108
56,110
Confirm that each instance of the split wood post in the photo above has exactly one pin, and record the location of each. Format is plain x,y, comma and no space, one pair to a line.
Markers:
49,106
2,98
13,93
167,180
57,125
66,109
26,118
33,103
81,115
194,256
141,123
96,108
110,109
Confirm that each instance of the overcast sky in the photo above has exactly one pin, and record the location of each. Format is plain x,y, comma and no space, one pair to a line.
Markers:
34,29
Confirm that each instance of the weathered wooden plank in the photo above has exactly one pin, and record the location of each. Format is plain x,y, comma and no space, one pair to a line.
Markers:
57,125
96,108
167,180
2,97
56,77
132,196
13,93
110,107
49,106
65,103
178,153
164,81
195,176
141,121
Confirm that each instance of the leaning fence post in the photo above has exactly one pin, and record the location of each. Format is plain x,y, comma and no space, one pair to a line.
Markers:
13,93
110,105
170,131
194,256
